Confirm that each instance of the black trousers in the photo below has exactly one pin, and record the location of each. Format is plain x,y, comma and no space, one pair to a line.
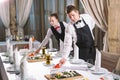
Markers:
87,53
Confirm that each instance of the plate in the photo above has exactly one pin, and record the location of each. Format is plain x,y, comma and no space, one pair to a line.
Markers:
10,69
100,72
5,54
6,60
76,61
52,50
58,55
48,65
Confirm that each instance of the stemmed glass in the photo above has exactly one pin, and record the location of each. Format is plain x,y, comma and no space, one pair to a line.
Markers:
116,72
17,74
90,63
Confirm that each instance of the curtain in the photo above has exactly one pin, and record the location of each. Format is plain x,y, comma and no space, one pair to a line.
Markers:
5,16
23,11
98,9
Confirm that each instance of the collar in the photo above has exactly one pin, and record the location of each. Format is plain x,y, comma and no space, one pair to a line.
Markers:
80,19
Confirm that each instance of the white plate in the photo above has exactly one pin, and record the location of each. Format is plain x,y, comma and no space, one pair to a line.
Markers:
52,50
48,65
101,71
10,69
76,61
58,55
6,60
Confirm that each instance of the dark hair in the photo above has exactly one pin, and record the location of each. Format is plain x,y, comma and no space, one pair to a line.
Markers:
71,8
54,15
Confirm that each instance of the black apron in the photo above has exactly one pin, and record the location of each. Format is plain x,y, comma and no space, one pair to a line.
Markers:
85,42
58,35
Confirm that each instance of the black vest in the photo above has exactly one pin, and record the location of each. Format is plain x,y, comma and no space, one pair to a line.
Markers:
84,36
57,34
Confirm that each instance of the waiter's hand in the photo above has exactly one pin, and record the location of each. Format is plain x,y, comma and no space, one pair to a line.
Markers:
61,62
31,54
37,51
34,53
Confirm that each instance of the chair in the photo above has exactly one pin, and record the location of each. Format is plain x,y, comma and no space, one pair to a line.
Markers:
109,60
117,68
3,75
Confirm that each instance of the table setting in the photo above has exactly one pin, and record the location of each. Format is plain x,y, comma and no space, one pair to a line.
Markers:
42,70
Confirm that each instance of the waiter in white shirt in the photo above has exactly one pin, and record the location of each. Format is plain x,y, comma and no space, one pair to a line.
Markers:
57,29
79,31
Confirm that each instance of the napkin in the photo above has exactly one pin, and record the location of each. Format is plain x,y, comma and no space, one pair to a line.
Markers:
76,52
98,60
76,55
17,60
30,43
8,46
61,46
24,68
50,44
11,54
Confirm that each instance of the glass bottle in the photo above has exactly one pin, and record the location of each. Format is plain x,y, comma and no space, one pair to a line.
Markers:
43,52
48,59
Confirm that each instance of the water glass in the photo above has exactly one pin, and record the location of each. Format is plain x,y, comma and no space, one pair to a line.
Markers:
90,63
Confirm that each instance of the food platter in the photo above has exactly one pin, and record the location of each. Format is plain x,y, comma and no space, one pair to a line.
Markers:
35,59
66,75
38,58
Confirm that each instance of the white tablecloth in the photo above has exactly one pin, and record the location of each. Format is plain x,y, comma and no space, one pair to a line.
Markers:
3,44
37,70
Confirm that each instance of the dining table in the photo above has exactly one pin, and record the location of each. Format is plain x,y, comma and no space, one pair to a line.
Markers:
37,70
19,44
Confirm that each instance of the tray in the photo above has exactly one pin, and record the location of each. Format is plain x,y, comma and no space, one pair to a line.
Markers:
48,77
37,60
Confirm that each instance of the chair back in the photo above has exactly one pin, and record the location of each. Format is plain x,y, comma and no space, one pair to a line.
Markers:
109,60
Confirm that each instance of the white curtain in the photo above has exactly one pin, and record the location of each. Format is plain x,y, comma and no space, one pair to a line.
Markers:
24,8
98,9
5,16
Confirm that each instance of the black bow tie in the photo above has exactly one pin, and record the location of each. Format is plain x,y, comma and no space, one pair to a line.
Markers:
78,21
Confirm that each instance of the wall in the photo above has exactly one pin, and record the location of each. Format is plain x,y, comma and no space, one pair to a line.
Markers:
114,26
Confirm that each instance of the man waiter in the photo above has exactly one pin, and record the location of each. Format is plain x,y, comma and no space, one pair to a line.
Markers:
79,31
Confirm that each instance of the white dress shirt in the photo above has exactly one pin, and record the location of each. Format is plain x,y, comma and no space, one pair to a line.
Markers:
70,33
49,34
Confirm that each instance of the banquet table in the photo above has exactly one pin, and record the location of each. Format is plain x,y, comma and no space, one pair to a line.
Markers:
38,70
19,44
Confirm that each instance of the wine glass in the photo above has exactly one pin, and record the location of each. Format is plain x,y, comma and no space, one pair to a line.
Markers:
90,63
116,72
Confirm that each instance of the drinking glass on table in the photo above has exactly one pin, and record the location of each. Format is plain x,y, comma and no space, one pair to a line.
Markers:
90,63
116,72
48,57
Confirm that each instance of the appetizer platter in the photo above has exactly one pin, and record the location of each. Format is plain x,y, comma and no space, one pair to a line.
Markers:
36,58
66,75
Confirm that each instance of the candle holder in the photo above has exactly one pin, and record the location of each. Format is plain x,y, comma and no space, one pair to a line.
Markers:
43,52
48,59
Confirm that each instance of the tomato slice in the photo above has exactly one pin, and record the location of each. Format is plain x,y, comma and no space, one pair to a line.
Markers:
101,78
57,66
32,54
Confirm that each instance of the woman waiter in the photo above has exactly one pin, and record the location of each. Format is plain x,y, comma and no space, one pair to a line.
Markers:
57,29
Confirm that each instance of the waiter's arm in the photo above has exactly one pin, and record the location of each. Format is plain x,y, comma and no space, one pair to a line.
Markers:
67,45
45,41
